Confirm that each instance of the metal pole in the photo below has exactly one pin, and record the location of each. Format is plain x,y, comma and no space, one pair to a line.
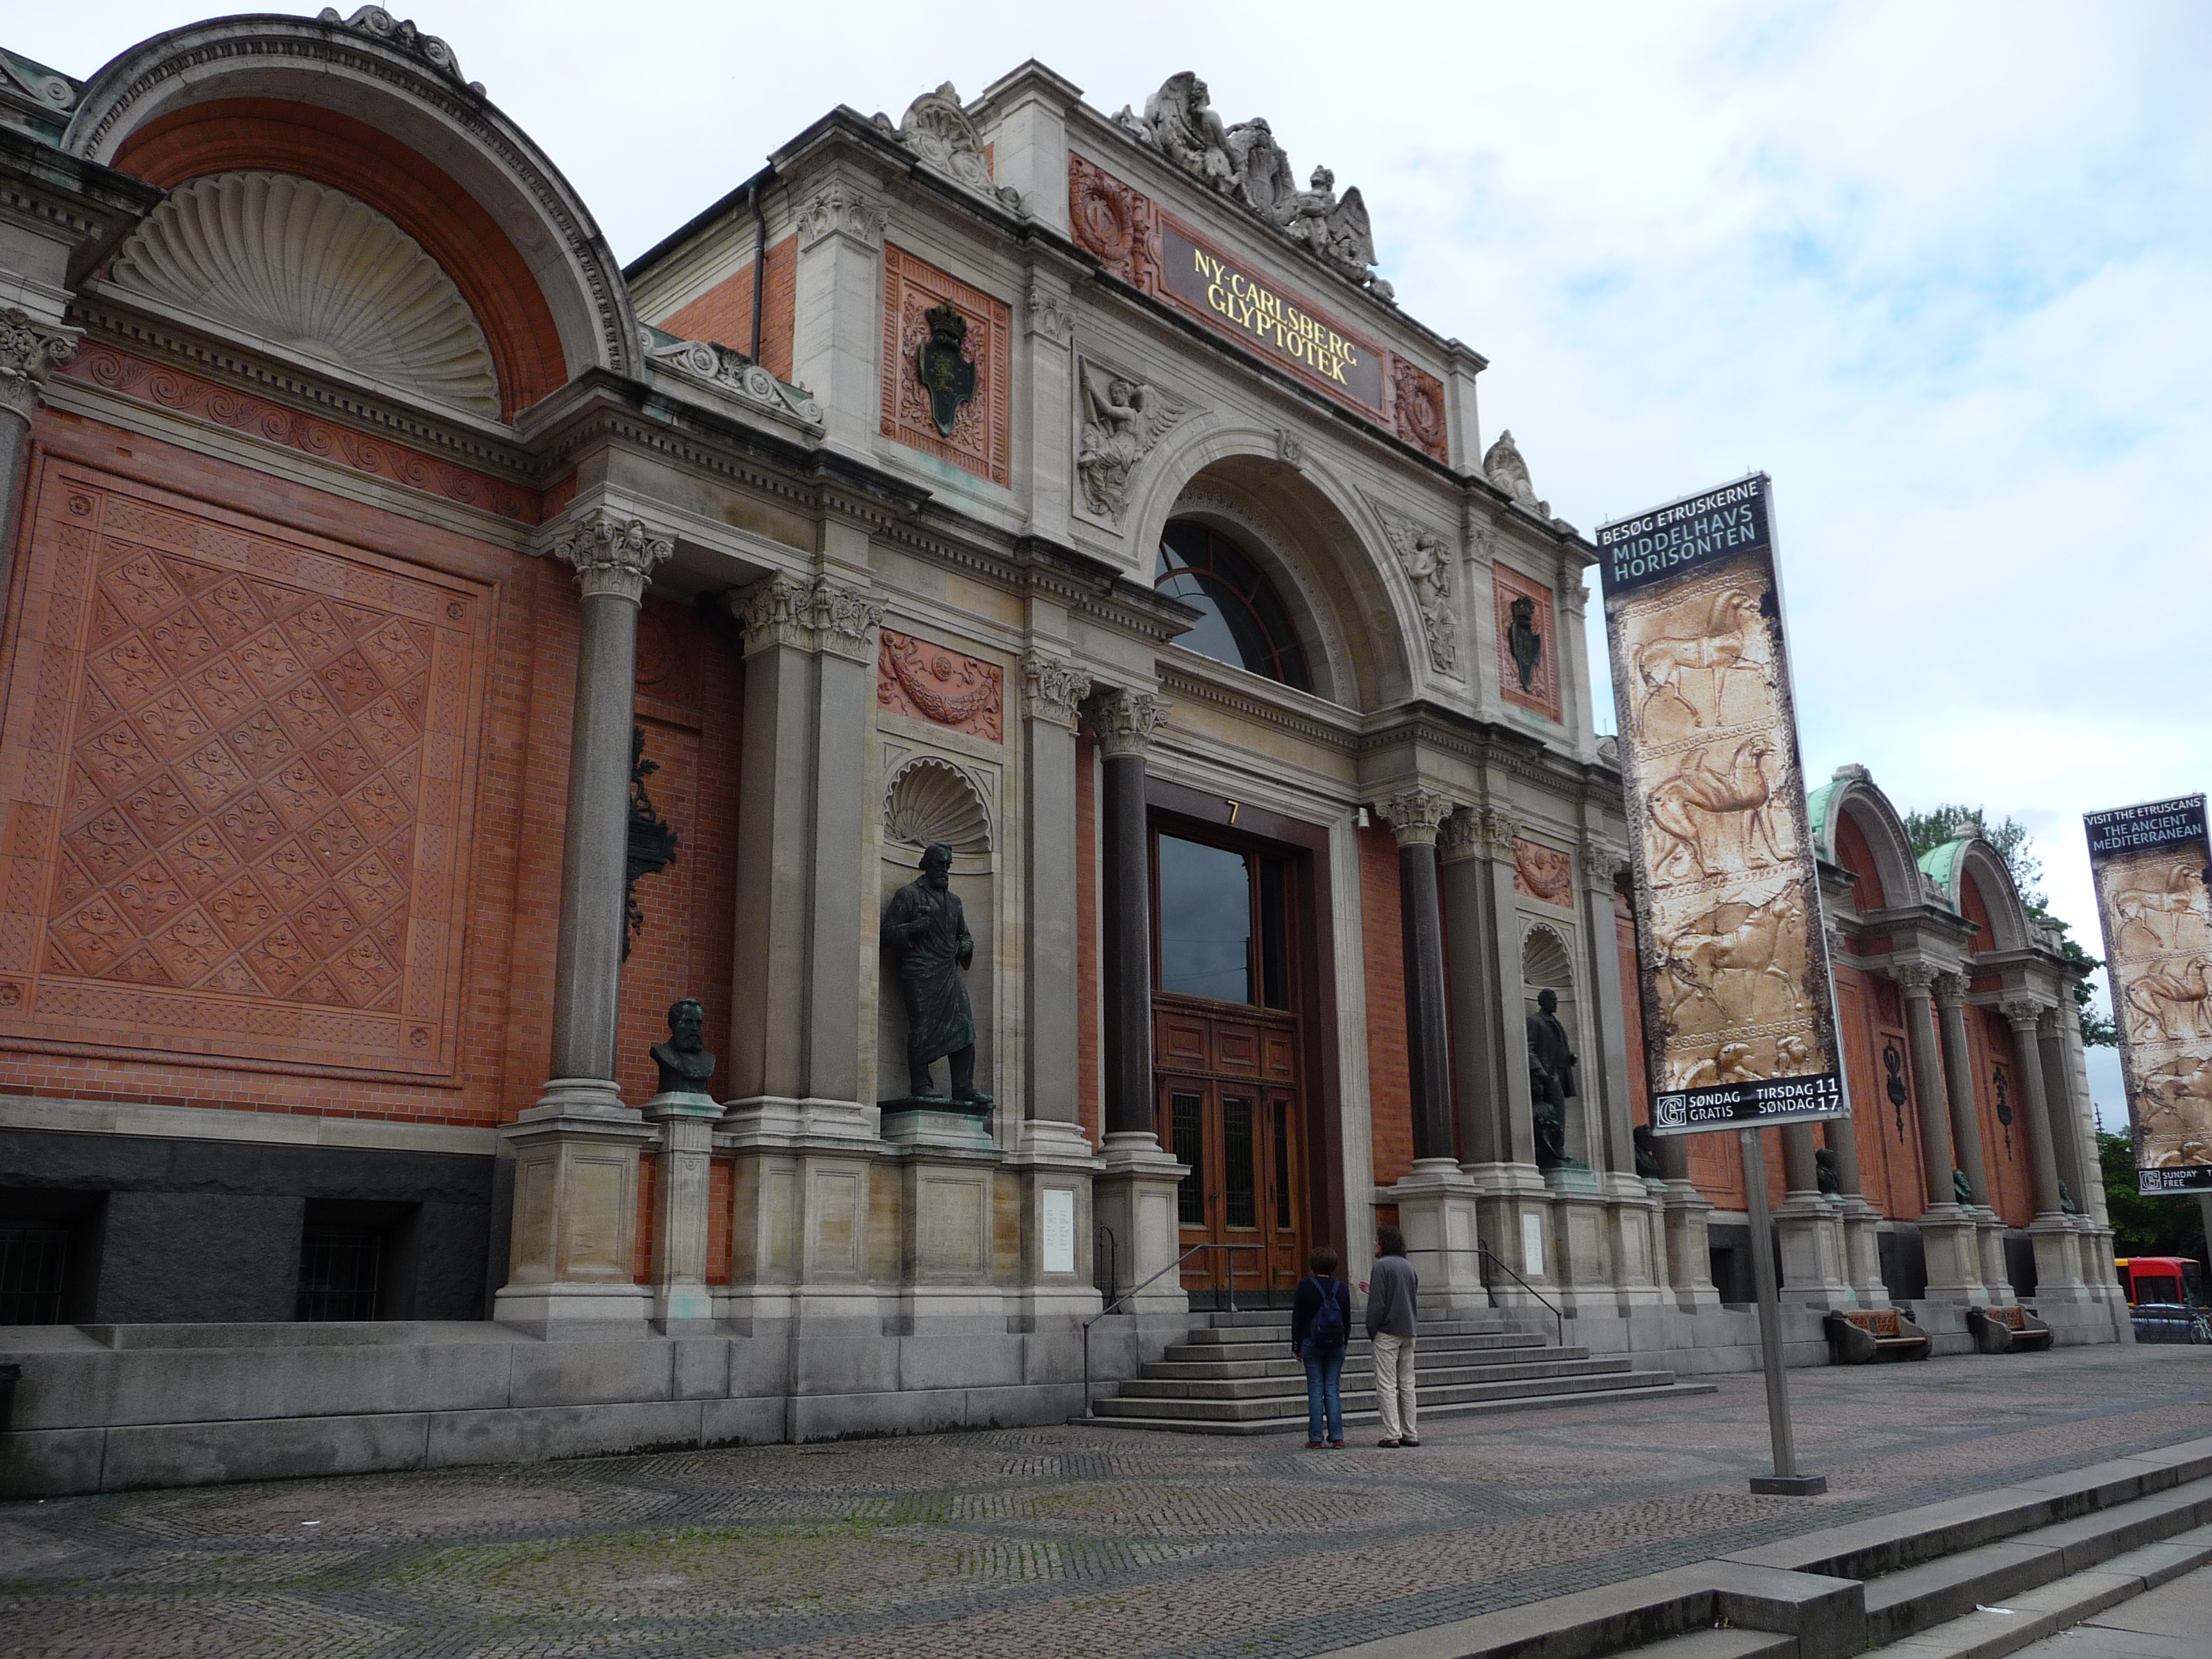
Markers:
1785,1480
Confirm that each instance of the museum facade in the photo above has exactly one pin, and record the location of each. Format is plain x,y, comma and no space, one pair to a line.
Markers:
433,652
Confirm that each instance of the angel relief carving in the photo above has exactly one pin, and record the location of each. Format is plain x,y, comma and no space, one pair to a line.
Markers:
1123,419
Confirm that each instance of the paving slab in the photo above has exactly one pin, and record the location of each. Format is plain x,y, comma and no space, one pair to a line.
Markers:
1075,1542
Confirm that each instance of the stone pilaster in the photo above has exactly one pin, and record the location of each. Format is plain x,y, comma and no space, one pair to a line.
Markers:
838,306
1950,993
1473,997
1053,691
1414,816
1136,1190
576,1150
1810,1226
30,349
680,1209
2058,1257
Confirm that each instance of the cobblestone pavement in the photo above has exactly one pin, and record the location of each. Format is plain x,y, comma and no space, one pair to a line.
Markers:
1049,1542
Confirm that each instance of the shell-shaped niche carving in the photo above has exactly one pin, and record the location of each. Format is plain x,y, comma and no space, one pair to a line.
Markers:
318,272
931,801
1545,962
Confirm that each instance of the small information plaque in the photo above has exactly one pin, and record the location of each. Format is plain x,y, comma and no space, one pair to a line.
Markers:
1059,1230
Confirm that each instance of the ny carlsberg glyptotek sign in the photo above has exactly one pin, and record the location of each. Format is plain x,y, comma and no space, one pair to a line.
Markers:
2150,864
1230,298
1739,1015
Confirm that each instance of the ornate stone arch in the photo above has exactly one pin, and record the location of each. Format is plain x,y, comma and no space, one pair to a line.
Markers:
1321,543
1974,861
370,106
1853,806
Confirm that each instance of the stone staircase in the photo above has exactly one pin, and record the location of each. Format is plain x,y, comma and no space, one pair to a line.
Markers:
1234,1374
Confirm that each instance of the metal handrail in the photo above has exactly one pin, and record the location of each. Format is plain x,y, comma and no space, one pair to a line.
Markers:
1147,1285
1113,1256
1479,1247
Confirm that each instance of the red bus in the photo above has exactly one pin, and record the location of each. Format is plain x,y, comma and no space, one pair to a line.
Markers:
2166,1297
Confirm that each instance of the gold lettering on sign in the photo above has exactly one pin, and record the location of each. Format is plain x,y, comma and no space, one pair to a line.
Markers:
1268,315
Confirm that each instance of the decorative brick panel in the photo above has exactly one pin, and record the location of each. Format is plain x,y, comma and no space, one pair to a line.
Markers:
1543,873
1542,695
980,441
937,684
238,775
1389,1071
1417,407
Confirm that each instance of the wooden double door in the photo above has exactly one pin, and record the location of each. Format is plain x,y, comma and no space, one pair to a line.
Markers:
1228,1107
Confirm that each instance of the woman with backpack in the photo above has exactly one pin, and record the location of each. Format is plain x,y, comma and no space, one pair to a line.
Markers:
1321,1331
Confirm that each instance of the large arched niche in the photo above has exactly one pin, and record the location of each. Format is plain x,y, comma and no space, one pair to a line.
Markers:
1980,887
378,115
1299,527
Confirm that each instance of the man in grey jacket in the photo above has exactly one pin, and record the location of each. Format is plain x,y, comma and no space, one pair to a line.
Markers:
1393,1320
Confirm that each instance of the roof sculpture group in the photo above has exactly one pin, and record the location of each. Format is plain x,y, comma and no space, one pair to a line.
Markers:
1244,163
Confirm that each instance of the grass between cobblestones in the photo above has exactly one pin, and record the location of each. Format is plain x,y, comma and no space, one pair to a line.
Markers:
1049,1543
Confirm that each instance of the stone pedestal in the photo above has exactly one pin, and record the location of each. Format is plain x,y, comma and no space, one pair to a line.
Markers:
1635,1242
569,1259
2057,1261
1863,1252
1056,1167
1811,1228
1951,1242
1684,1215
1135,1196
1513,1208
1996,1277
1583,1264
681,1301
801,1200
1437,1212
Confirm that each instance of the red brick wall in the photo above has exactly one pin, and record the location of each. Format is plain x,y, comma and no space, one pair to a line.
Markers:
1390,1077
1856,856
2004,1150
723,314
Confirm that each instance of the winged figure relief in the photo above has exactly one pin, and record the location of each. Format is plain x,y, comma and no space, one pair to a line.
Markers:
1122,420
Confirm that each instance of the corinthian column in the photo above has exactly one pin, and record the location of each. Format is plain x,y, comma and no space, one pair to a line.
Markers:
2058,1261
1136,1194
576,1150
29,351
1967,1131
1949,1238
1435,1201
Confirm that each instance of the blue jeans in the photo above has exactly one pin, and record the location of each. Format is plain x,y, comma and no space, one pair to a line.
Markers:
1323,1396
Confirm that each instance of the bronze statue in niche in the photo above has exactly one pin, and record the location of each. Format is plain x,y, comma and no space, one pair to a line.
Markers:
1551,1080
926,930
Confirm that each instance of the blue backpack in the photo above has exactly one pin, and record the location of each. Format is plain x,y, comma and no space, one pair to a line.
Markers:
1326,1335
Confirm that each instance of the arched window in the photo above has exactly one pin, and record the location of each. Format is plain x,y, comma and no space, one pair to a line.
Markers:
1243,622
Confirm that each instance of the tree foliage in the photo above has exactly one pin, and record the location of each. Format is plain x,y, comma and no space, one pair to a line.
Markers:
2170,1225
1929,830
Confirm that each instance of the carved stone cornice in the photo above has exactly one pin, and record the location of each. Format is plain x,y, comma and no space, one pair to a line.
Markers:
29,351
2022,1012
401,34
1416,815
613,556
1950,990
1126,722
1913,978
1458,837
1053,690
821,614
840,209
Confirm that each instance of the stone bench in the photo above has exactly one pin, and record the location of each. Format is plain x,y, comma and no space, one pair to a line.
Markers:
1863,1335
2008,1330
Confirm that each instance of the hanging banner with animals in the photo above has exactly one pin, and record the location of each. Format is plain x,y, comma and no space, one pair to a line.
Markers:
1739,1015
2150,866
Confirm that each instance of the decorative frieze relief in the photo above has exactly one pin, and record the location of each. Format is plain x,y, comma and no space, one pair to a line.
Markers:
1126,721
730,371
1115,222
936,128
1543,873
401,32
936,684
1124,419
1417,407
1052,689
821,614
933,319
1426,558
29,351
1416,815
611,554
840,209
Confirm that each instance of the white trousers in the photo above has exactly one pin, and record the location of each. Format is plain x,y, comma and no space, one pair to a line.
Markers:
1394,1386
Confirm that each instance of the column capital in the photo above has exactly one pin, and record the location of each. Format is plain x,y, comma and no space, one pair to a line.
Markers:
1913,978
1950,990
30,349
1497,830
1126,721
840,209
817,614
1601,864
1053,690
611,554
1415,815
1458,837
2022,1012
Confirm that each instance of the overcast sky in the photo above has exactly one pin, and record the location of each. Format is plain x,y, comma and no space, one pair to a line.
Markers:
1942,270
